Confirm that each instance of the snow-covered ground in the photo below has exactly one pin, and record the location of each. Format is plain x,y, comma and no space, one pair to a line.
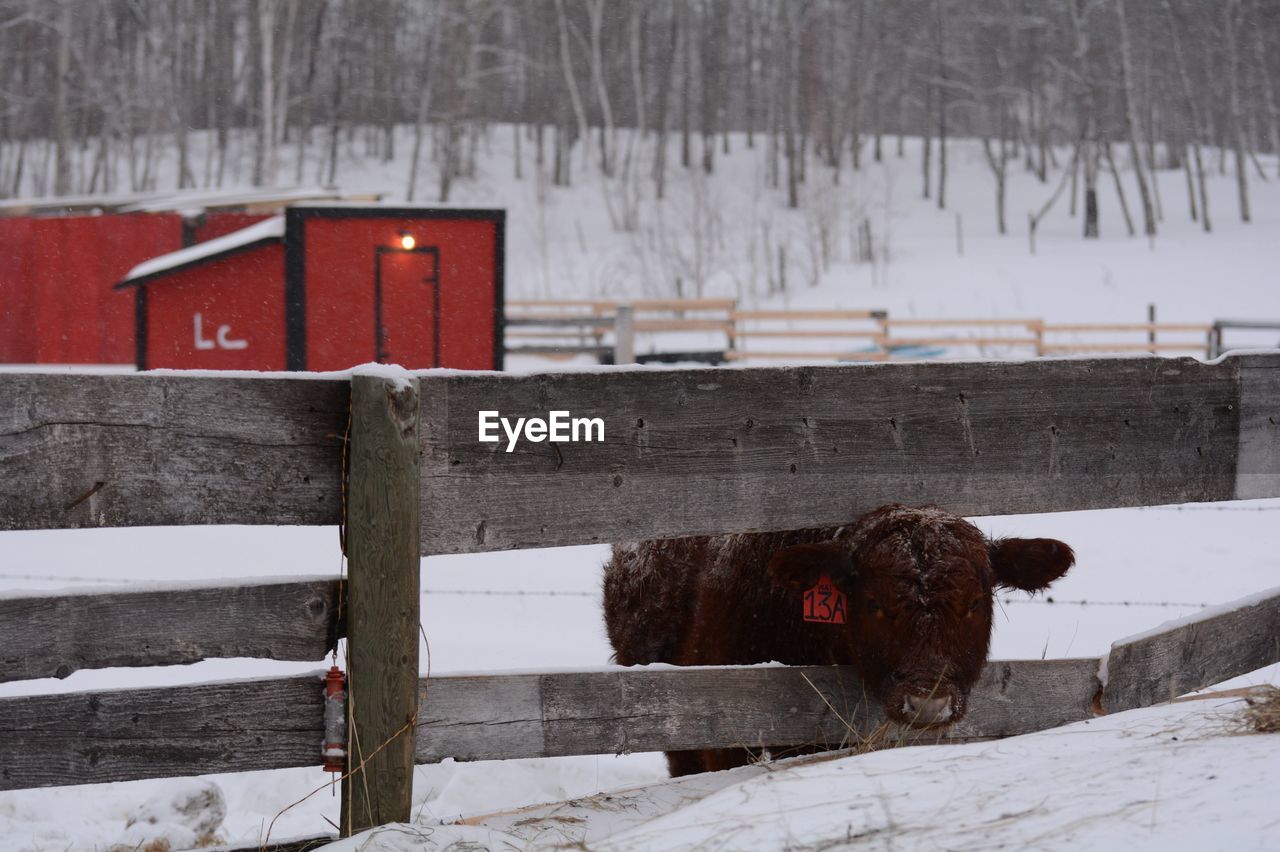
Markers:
1117,781
1180,776
1185,557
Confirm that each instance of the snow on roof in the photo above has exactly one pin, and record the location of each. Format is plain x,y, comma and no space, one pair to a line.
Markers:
266,231
352,203
64,204
198,201
185,202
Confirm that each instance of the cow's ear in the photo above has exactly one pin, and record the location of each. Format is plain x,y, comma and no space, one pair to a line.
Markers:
800,565
1030,564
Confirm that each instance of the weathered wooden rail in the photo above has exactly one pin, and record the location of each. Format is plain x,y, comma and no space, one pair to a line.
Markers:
53,636
271,723
685,452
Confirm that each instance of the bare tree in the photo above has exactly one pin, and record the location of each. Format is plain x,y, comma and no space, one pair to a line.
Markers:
108,94
999,155
942,97
1087,143
570,78
426,80
1231,14
61,113
1131,122
662,113
1193,117
1268,88
608,140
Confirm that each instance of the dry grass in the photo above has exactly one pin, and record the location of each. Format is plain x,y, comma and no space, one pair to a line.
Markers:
1261,713
161,844
157,845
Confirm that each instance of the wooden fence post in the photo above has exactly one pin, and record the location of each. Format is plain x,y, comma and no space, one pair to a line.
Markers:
624,335
382,601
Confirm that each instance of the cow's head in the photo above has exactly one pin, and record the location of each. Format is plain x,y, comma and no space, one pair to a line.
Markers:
919,585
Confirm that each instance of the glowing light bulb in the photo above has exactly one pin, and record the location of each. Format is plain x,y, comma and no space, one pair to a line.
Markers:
407,242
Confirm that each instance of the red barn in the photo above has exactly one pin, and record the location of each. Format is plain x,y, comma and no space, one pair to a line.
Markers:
62,256
328,287
56,302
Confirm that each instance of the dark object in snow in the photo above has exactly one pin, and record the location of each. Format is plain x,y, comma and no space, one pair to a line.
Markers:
918,582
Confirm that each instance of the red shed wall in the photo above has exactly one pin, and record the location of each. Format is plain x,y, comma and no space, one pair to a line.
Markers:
17,296
339,273
56,277
241,295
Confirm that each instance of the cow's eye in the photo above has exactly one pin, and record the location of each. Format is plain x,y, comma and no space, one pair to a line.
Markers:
973,607
873,606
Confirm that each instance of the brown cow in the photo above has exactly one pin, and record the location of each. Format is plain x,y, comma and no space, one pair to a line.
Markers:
917,583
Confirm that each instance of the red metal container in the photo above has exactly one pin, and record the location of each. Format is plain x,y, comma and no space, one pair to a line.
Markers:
56,275
57,272
328,288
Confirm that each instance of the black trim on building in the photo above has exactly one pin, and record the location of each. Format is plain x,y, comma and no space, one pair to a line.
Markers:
499,292
385,212
140,327
189,226
295,291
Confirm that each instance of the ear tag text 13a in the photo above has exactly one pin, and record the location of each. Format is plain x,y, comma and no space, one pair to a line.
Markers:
824,603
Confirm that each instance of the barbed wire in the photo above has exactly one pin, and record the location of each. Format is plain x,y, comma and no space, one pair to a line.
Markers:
1208,508
576,593
70,578
514,593
1083,602
553,593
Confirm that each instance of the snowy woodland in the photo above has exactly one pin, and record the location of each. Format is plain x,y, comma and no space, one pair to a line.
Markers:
1076,160
97,94
755,149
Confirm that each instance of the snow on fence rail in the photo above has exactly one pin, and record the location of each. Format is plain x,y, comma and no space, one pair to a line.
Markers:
685,452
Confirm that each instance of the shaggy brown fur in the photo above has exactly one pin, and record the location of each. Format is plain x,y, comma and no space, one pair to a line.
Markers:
918,583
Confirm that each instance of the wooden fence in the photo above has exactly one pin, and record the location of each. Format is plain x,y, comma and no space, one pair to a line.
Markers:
562,328
686,452
565,327
1216,345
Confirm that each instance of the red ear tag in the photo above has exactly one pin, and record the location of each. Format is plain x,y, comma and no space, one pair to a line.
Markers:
824,603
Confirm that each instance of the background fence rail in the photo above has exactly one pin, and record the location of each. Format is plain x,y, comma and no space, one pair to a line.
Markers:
578,326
